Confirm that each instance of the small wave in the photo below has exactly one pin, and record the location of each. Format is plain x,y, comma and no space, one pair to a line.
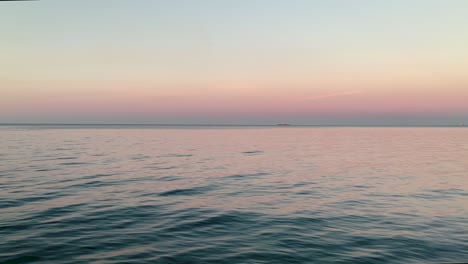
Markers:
73,163
234,219
140,157
90,184
169,178
236,176
190,191
99,175
48,169
175,155
32,199
253,152
22,259
162,168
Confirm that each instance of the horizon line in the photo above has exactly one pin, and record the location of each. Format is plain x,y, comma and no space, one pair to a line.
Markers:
234,125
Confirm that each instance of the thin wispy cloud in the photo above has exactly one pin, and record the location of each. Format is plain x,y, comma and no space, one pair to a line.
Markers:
331,95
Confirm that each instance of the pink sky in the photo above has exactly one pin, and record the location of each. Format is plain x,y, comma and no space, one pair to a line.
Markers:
158,61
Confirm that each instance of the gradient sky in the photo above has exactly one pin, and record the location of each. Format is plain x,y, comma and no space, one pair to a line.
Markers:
242,62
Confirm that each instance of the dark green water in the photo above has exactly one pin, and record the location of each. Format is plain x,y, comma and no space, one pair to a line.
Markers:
233,195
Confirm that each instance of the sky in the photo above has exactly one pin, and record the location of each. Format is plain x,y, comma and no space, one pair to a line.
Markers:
399,62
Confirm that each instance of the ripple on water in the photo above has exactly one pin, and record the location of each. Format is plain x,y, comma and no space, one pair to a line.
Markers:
169,178
249,175
74,163
175,155
188,191
253,152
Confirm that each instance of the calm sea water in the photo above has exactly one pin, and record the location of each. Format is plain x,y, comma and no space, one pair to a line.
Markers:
233,195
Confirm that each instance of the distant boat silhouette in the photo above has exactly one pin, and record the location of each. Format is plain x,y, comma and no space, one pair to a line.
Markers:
283,124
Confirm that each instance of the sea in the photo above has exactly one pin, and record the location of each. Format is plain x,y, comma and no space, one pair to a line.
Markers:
233,194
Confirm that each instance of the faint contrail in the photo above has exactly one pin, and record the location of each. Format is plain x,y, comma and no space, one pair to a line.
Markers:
337,94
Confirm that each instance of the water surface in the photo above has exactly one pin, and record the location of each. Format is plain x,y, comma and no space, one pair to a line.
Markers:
233,195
